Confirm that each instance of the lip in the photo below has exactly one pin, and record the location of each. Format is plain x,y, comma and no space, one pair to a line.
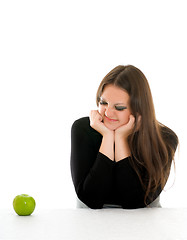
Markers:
110,120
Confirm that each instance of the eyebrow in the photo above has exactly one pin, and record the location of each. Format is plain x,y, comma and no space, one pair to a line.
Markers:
120,104
102,99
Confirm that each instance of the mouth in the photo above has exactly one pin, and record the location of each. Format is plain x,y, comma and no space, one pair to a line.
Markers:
110,119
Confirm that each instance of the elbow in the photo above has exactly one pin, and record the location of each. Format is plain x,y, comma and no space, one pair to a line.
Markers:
89,201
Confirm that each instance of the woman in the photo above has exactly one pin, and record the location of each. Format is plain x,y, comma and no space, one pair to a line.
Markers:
121,155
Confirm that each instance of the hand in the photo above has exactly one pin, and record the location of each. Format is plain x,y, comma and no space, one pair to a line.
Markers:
97,124
125,130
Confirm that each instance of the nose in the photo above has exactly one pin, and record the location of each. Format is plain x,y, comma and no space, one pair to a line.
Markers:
109,112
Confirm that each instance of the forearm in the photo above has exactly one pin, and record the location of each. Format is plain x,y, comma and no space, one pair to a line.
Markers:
107,145
128,186
122,149
92,172
96,187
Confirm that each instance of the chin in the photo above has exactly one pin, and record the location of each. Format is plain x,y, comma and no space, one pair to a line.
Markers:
111,127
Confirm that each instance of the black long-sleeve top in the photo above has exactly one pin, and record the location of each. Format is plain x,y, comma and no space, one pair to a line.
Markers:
97,179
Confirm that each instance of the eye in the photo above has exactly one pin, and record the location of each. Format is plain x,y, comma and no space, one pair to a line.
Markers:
103,102
120,108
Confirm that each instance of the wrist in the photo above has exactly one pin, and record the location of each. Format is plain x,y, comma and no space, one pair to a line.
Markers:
109,134
122,149
120,137
107,145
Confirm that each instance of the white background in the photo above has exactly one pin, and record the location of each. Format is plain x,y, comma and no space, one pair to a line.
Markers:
53,55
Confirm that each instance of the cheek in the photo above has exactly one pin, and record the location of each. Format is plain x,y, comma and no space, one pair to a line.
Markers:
124,117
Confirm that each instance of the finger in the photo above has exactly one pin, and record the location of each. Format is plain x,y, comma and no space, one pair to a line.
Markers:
93,114
98,117
138,122
131,119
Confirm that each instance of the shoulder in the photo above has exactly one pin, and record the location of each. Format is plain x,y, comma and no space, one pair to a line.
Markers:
81,123
81,129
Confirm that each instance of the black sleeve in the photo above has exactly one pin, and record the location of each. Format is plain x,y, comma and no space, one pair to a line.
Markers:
92,172
128,187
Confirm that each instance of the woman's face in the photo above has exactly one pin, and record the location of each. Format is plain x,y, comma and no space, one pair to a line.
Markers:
114,107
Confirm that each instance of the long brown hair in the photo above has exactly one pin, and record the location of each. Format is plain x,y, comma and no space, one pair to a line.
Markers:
153,145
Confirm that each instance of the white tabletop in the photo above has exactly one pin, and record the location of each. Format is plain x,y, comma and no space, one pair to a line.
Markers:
88,224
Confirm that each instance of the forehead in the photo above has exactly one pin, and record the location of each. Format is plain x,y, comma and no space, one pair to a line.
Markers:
115,94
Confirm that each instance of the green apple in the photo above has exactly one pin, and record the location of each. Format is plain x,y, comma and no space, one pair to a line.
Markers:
24,205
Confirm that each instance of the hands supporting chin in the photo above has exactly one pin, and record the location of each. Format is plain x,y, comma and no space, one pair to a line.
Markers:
125,130
120,149
121,132
96,122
